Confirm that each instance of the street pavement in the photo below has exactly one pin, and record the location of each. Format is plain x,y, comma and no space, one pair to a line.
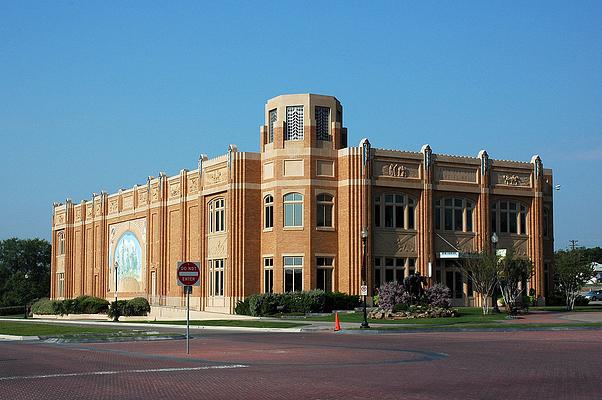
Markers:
323,365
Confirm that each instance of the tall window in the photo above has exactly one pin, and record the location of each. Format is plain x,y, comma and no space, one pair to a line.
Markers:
322,122
293,209
273,115
294,123
509,217
454,214
325,268
60,284
293,274
268,275
268,202
325,207
398,211
216,277
61,242
217,216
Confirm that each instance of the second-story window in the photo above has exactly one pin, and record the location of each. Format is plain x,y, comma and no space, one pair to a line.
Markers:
322,123
217,216
509,217
398,211
454,214
325,208
294,123
293,210
268,211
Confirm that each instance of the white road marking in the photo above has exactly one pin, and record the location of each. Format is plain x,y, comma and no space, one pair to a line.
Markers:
127,371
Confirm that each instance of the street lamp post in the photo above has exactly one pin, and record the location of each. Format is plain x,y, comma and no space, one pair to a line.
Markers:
364,236
116,264
494,240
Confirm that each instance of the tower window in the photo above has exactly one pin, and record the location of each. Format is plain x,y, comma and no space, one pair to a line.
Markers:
294,123
273,115
322,122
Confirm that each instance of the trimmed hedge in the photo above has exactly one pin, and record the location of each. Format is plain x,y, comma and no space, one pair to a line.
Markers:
313,301
79,305
135,307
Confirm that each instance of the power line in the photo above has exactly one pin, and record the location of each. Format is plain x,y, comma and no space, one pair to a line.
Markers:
573,244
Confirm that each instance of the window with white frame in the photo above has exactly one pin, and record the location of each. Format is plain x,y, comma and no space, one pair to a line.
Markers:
293,274
322,123
294,123
509,217
454,214
217,215
324,270
60,284
273,115
268,211
216,277
398,211
325,206
268,275
293,210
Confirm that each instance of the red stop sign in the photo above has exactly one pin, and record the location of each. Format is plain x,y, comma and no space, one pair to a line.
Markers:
189,273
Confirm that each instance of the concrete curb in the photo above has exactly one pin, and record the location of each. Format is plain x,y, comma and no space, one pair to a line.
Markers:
171,326
14,338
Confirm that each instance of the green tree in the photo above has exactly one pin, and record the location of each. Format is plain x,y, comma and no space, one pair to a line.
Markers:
483,269
24,271
572,270
514,274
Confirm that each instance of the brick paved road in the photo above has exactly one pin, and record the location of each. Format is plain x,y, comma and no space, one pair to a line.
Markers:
461,365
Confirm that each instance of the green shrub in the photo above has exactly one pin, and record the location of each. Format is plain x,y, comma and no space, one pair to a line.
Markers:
138,306
255,302
44,307
242,307
117,309
340,301
92,305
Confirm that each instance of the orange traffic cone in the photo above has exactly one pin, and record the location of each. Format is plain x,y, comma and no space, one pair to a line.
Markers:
337,324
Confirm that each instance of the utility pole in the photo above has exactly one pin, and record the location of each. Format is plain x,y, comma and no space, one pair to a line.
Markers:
573,244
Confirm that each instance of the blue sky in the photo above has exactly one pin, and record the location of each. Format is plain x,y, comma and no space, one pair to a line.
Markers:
98,95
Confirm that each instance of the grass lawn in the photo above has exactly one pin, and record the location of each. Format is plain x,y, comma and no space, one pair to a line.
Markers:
467,315
233,322
44,329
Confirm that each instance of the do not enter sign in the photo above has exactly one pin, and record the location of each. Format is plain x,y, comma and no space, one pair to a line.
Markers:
189,273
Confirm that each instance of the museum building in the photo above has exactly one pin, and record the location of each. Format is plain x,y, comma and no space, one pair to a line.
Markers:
308,211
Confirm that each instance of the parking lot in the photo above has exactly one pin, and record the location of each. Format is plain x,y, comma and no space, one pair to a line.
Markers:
460,365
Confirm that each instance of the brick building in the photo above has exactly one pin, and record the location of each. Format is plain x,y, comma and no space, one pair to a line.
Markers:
294,215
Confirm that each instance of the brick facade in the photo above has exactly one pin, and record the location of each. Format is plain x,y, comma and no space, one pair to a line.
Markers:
403,199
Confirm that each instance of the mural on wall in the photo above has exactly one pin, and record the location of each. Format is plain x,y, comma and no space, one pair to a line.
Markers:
127,251
128,256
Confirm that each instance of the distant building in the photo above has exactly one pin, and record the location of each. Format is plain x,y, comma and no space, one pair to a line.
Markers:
291,217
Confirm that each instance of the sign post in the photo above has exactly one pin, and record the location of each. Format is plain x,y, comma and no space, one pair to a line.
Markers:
189,274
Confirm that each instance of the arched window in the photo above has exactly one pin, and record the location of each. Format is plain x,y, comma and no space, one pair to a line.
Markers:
268,211
325,208
217,215
509,217
454,214
293,210
398,211
61,242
